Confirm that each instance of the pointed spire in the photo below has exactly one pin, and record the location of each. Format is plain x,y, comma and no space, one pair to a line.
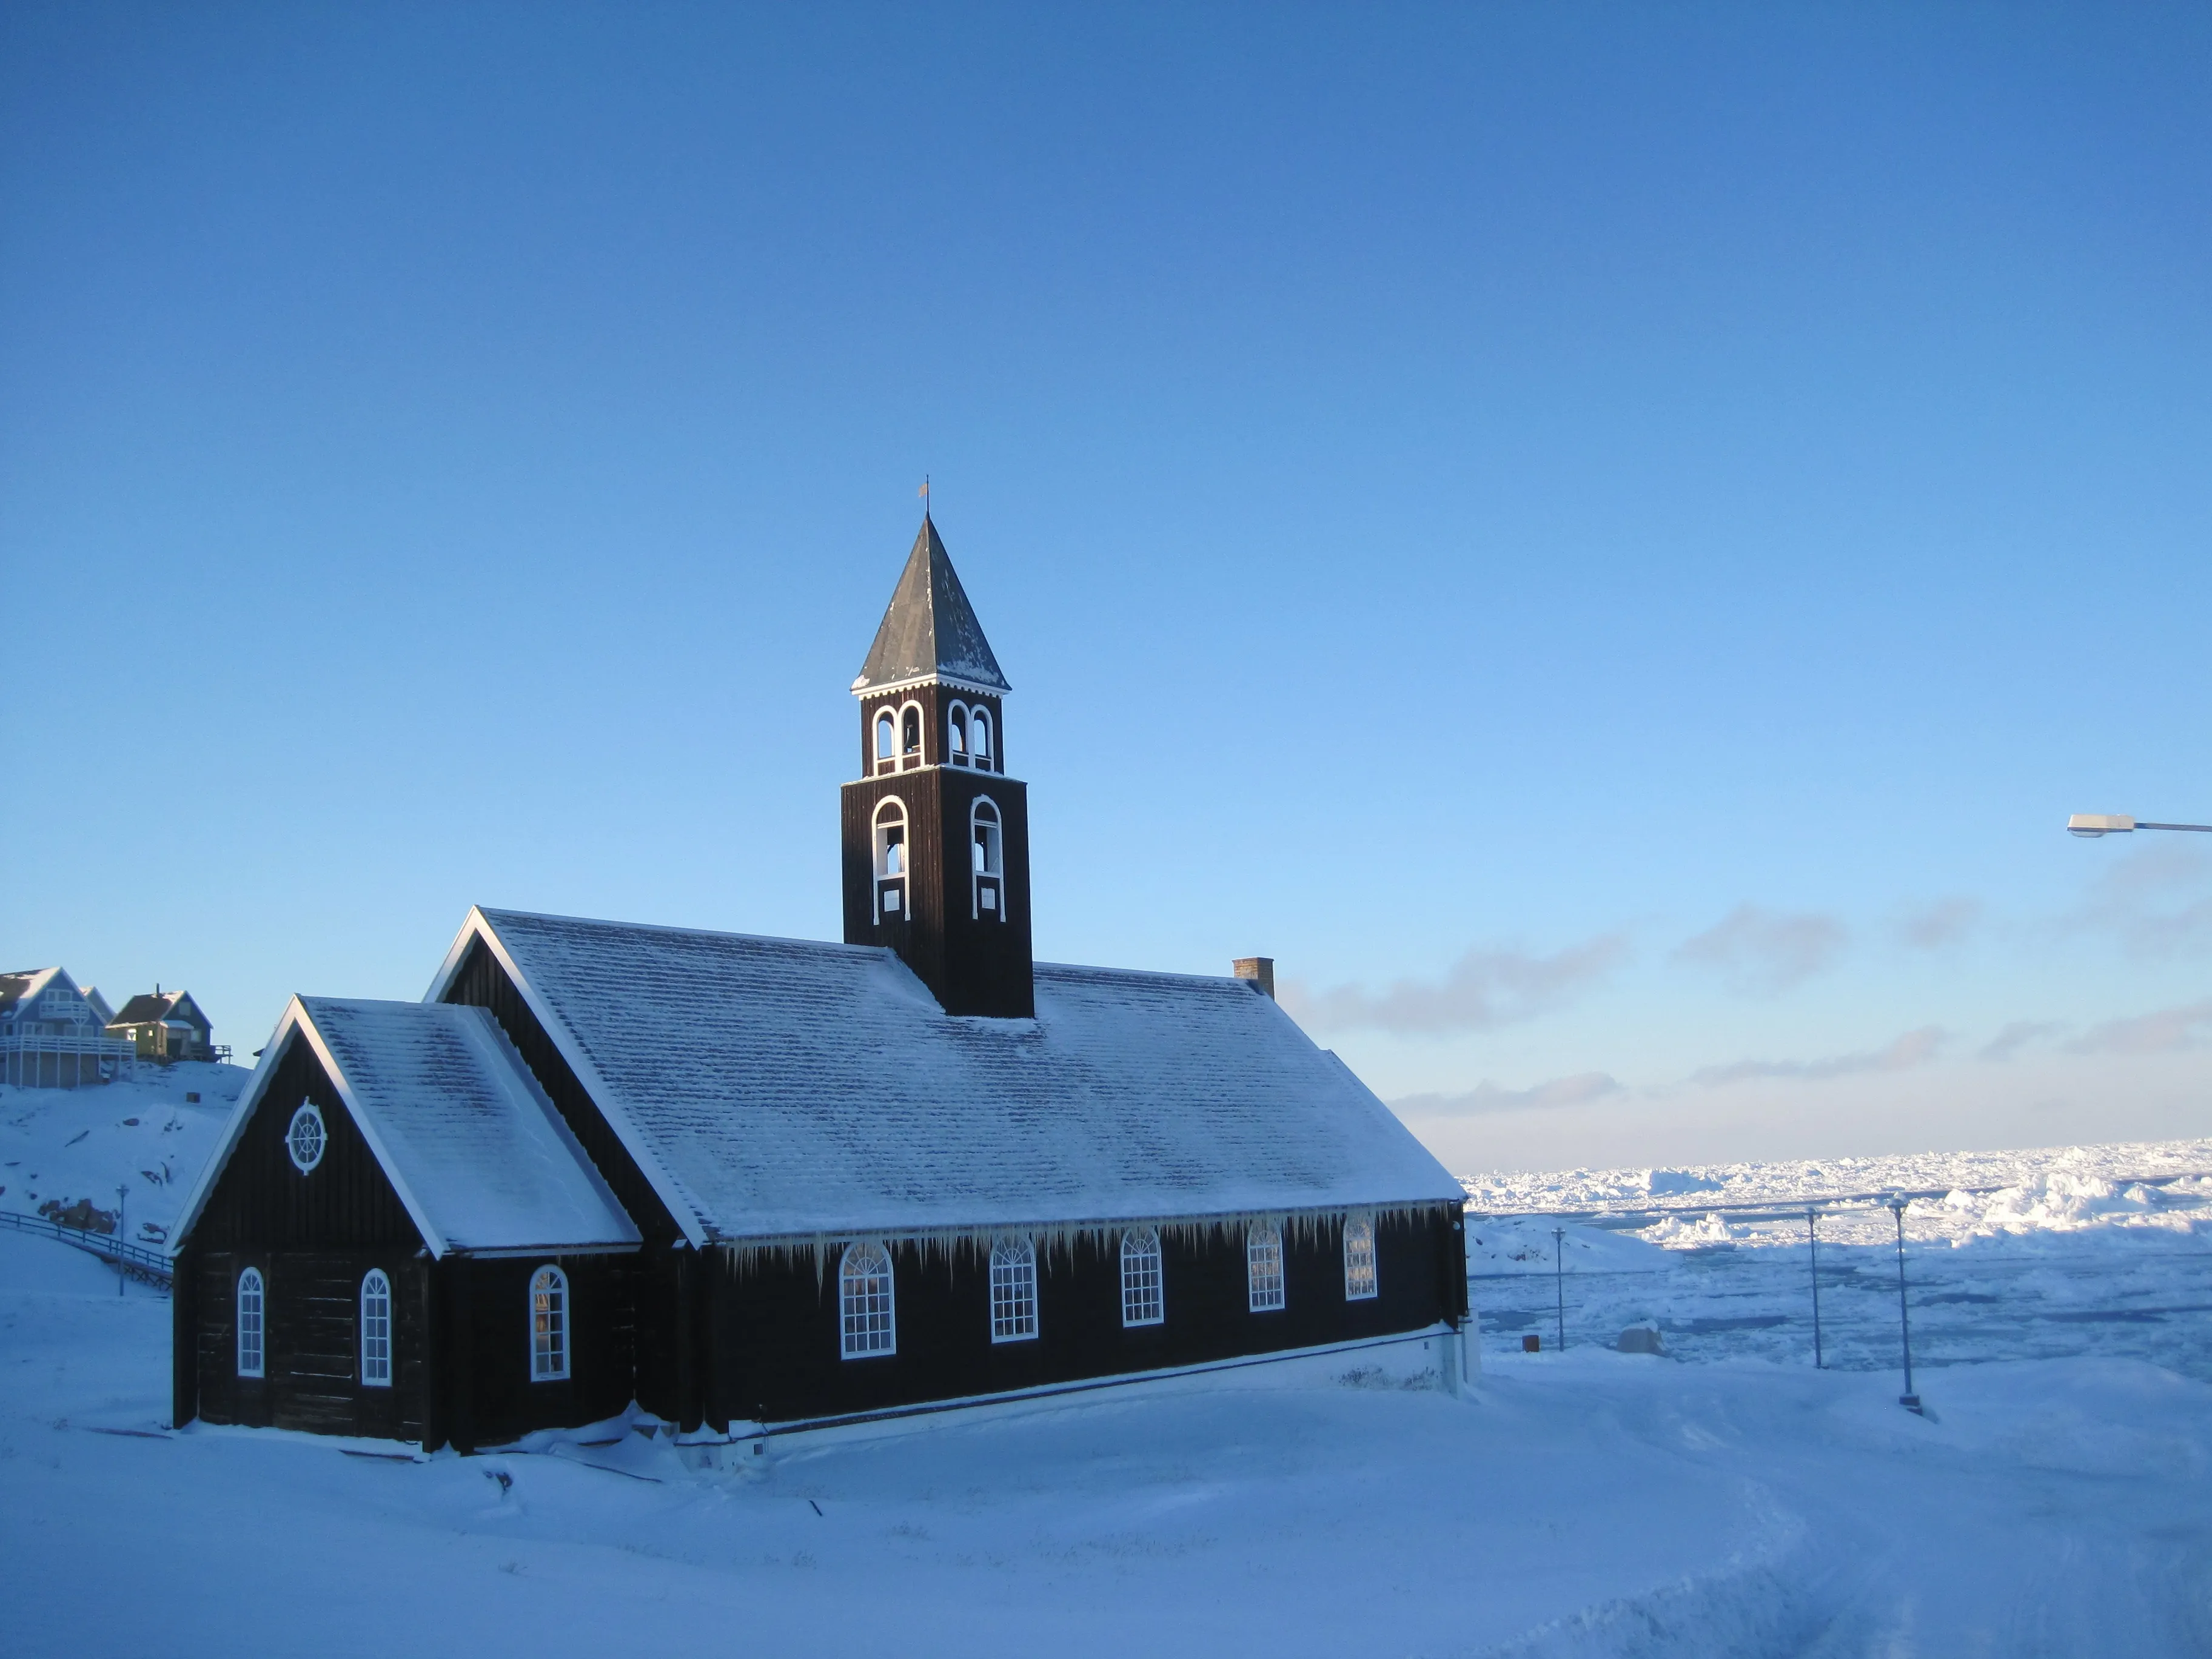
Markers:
930,628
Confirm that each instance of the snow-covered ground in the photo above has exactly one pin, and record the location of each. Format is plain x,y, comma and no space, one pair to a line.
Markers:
1581,1504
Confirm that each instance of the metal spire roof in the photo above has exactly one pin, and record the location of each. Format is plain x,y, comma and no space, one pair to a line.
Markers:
930,628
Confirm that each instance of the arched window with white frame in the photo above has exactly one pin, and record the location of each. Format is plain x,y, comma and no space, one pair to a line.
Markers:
987,898
1143,1300
910,736
1360,1283
549,1325
1013,1291
252,1321
867,1318
375,1330
979,738
891,844
955,734
1263,1267
886,740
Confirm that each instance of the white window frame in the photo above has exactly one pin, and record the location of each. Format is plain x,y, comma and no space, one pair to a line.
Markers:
885,757
552,1317
376,1329
892,814
867,1301
993,877
980,753
251,1305
1144,1278
919,755
1361,1280
308,1117
1013,1291
956,733
1265,1282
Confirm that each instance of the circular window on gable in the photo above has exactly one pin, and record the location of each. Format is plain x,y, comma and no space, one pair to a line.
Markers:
304,1139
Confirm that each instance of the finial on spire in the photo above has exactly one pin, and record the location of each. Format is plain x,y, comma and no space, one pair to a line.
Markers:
924,495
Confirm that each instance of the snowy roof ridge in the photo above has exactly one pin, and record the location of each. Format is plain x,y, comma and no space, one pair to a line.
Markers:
776,1088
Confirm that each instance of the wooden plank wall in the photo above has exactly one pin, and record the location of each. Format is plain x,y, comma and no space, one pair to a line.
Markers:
311,1343
775,1325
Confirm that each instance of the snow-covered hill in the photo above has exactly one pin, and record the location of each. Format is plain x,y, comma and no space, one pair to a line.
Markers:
67,1151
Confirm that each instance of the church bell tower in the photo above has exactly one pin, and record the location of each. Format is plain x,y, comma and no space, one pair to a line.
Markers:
936,836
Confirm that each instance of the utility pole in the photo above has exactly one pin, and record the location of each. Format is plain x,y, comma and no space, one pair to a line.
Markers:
1813,1244
1909,1400
1560,1279
122,1205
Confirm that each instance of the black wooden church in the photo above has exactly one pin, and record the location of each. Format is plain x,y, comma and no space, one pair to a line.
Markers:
749,1182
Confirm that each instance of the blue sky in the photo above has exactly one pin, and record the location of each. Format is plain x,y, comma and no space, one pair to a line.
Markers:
1607,540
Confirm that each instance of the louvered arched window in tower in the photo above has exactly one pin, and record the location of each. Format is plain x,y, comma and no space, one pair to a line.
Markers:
891,846
988,900
867,1319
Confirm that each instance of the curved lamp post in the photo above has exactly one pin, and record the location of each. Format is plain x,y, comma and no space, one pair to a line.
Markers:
2090,826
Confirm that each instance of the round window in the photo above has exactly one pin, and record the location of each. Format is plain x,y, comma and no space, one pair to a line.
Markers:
304,1139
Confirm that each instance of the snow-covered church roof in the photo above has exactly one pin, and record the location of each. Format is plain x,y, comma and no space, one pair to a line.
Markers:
783,1089
479,1157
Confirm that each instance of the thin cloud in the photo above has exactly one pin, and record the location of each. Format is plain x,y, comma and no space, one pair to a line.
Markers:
1483,990
2159,1033
1946,921
1488,1096
1915,1047
1760,952
2017,1035
2156,901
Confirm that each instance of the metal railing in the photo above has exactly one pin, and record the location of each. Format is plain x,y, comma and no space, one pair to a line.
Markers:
151,1265
24,1056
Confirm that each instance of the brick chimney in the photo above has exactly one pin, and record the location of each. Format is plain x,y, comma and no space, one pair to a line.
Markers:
1259,972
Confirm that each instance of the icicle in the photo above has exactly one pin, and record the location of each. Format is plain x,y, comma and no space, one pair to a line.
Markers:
1062,1237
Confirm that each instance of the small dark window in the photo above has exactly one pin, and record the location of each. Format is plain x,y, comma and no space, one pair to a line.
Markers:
912,731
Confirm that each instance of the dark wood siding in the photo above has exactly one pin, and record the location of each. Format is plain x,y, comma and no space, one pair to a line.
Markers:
776,1322
971,966
312,1342
262,1199
487,1397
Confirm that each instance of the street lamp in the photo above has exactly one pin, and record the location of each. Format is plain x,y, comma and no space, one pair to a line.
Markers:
2090,826
1909,1398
